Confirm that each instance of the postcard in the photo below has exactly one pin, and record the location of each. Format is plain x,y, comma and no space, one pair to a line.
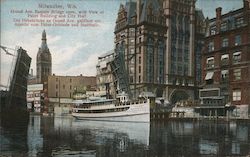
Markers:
127,78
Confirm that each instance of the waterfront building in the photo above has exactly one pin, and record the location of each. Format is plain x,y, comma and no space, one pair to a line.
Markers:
61,91
142,42
43,61
226,58
180,58
35,97
156,39
66,86
104,76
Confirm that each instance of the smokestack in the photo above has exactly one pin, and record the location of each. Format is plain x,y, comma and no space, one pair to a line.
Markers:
138,10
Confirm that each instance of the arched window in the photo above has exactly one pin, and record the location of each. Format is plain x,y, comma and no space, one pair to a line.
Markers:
161,61
150,60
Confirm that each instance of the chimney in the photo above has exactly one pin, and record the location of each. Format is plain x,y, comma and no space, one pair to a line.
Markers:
246,4
218,19
138,10
218,13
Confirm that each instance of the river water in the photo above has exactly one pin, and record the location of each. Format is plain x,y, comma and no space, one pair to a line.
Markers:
67,137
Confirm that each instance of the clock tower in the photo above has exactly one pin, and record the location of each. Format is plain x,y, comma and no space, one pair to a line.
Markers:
43,61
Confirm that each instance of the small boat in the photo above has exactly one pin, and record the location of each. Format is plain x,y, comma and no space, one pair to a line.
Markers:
120,109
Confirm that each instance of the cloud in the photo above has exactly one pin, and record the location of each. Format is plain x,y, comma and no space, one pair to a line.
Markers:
62,54
86,68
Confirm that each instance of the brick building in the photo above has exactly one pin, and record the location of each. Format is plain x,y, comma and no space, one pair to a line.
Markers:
65,86
226,58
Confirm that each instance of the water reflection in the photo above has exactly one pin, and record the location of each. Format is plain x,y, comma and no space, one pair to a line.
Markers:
64,136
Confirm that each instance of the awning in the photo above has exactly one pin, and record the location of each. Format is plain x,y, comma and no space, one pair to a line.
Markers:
210,58
236,53
209,75
224,56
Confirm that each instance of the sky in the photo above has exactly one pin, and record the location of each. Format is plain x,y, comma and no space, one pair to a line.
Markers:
74,50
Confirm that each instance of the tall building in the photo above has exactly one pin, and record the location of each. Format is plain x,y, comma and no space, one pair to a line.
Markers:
43,61
180,48
156,39
226,58
142,42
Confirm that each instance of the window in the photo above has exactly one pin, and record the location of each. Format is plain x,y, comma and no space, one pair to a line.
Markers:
236,95
139,69
211,46
56,94
186,55
236,57
140,31
140,60
237,74
239,22
56,79
210,62
63,86
131,70
173,68
237,40
161,61
70,87
225,42
37,95
132,61
179,70
131,32
225,59
139,79
140,40
131,79
150,60
185,70
212,30
56,86
132,51
224,75
223,27
209,75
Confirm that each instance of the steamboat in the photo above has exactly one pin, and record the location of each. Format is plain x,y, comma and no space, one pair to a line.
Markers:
119,109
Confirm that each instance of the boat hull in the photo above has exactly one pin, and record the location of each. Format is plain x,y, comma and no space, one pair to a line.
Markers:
126,118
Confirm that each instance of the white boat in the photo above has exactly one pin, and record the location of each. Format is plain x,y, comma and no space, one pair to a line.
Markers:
120,109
